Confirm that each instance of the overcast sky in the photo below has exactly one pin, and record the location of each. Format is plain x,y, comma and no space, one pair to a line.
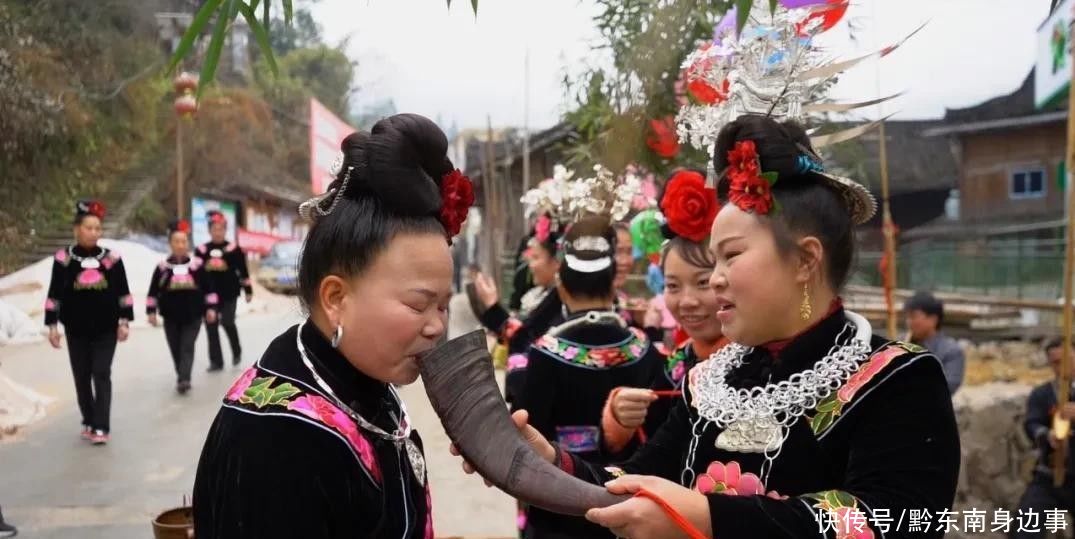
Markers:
448,65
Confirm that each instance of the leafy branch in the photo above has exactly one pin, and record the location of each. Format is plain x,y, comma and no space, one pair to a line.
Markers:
227,13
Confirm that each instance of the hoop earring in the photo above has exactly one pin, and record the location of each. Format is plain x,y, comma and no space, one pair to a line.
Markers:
337,336
805,310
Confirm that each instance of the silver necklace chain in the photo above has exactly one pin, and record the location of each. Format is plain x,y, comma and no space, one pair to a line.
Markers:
782,402
403,431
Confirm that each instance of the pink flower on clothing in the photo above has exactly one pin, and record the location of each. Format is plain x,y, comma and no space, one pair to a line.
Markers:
429,513
517,361
728,479
319,409
678,371
867,372
50,304
61,256
570,352
636,350
850,523
90,277
241,384
127,301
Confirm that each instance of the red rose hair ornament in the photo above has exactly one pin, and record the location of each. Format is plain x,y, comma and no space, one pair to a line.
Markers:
689,206
457,196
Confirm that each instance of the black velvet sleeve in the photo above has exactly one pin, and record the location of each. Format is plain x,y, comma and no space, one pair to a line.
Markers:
56,294
277,478
494,318
242,271
539,393
661,456
904,456
118,281
153,295
1038,418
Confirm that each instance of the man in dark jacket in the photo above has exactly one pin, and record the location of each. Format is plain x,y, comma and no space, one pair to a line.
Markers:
1041,495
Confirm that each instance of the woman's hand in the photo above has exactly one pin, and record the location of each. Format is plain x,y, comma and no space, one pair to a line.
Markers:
123,332
486,288
153,320
210,316
653,317
629,406
642,518
54,337
530,435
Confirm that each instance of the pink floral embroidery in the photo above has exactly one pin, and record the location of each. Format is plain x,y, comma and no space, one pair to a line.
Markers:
517,361
850,523
182,281
217,264
61,256
90,277
50,304
520,519
636,350
728,479
151,301
867,372
110,260
212,299
678,371
319,409
241,384
195,263
570,352
429,513
127,301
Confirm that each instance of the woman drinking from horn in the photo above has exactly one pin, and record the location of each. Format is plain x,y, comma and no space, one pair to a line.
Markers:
313,440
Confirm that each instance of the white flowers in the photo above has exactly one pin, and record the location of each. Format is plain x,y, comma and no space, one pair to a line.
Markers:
569,199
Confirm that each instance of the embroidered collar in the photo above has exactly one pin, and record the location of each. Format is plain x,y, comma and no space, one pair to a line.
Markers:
625,352
363,394
74,250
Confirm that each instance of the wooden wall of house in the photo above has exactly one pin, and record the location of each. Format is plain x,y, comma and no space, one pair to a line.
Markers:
988,160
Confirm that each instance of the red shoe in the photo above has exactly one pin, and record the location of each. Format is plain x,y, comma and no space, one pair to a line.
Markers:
87,433
99,437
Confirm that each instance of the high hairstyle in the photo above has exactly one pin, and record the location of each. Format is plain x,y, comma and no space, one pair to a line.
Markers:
809,206
588,269
389,184
87,208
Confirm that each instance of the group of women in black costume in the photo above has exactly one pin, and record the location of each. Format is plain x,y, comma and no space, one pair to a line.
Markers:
782,415
90,296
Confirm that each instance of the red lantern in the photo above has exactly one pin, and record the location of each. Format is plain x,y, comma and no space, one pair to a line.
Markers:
186,105
185,83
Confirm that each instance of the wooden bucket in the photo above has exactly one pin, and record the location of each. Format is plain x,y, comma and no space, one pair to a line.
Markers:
175,523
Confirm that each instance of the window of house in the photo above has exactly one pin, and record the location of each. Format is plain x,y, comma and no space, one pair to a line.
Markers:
1028,183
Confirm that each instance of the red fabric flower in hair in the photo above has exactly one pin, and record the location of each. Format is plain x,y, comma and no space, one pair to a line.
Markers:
96,209
183,226
662,137
457,196
689,206
749,188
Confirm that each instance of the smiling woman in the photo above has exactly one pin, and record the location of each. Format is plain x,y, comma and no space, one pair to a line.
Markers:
313,440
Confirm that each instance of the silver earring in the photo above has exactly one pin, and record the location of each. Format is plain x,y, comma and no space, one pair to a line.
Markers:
337,336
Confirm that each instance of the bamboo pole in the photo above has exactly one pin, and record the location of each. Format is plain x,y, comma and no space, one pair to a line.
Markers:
179,195
888,228
1063,386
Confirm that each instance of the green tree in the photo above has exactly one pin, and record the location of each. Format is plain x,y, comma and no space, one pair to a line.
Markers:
648,41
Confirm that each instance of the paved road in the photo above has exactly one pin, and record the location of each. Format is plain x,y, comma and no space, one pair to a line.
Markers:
53,485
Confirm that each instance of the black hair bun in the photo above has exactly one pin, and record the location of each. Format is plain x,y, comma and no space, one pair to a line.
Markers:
779,145
399,162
